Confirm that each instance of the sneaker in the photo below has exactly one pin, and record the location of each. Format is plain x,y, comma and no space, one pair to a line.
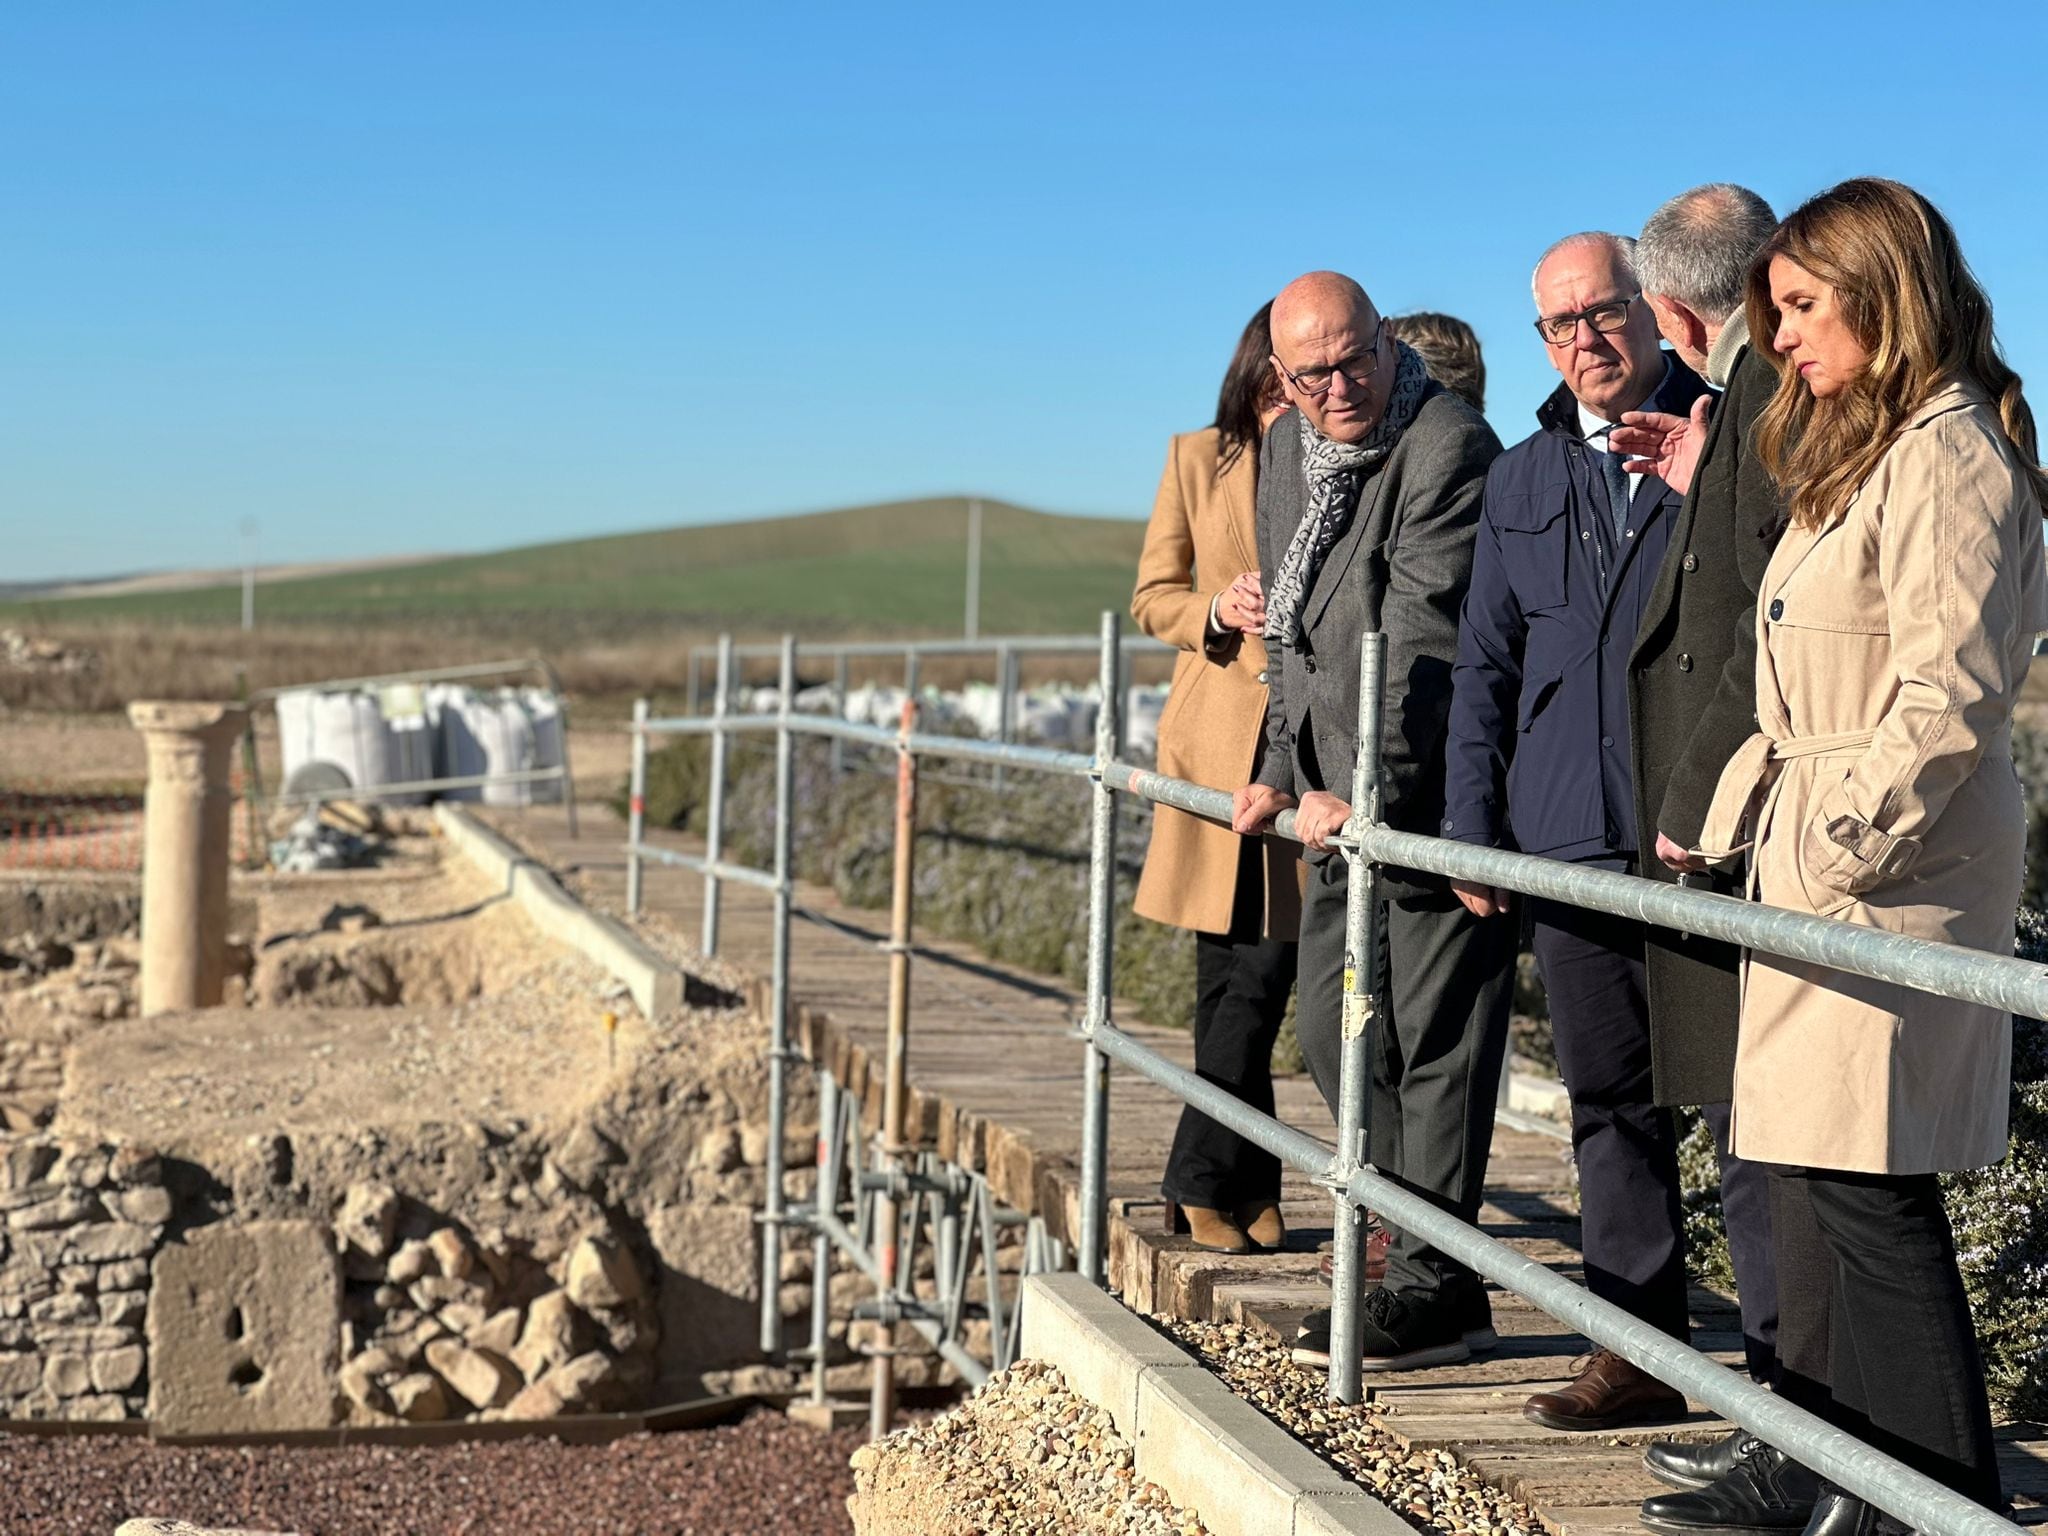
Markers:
1398,1333
1475,1318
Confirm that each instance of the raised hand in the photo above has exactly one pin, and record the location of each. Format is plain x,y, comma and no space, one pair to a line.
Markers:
1663,445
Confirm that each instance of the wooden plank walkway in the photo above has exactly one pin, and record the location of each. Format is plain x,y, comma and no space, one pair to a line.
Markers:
996,1079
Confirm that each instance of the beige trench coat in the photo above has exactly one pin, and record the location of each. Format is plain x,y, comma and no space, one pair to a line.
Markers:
1880,790
1201,539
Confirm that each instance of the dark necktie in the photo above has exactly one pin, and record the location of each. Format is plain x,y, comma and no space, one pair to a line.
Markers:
1617,486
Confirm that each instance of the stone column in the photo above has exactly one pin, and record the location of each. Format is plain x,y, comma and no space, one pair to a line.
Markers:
185,851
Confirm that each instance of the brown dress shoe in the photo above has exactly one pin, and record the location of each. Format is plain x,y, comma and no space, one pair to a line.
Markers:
1608,1393
1262,1224
1377,1240
1212,1231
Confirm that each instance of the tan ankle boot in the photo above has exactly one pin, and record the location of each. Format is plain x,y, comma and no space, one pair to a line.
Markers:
1215,1231
1262,1224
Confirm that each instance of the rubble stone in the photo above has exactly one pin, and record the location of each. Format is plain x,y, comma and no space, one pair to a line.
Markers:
553,1334
452,1252
366,1226
482,1378
602,1274
420,1398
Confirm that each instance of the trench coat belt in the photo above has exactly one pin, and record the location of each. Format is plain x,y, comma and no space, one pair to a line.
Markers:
1752,779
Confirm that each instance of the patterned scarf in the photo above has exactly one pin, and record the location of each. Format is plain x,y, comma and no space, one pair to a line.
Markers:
1336,476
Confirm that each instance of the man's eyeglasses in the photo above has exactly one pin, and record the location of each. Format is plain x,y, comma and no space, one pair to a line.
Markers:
1604,318
1358,369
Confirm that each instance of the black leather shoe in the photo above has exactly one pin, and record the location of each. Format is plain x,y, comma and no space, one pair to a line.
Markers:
1692,1465
1765,1493
1843,1514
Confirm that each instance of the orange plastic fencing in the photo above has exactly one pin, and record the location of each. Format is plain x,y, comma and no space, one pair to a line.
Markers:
49,826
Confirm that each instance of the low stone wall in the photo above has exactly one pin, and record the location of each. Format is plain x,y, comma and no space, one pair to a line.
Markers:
84,1223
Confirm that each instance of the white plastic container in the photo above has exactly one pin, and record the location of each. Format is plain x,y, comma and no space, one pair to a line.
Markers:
344,729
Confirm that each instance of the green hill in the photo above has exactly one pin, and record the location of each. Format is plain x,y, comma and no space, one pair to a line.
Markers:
896,568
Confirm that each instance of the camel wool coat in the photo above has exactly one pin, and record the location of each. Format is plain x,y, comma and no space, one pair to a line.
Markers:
1880,789
1202,537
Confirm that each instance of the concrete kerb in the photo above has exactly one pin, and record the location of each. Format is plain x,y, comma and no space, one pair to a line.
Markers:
656,985
1210,1449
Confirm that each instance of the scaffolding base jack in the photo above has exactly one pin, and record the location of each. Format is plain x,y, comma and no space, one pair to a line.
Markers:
833,1413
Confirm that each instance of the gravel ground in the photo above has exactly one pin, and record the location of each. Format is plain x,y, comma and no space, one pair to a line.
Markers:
1428,1488
1024,1456
762,1474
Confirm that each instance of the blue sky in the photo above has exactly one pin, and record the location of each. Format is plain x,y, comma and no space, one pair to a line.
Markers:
391,278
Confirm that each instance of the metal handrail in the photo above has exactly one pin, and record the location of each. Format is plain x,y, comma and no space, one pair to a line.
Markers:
1946,970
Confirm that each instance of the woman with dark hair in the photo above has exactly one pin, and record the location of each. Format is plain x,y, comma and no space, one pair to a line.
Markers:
1198,589
1895,625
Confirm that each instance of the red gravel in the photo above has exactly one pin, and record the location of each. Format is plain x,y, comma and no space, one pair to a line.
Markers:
762,1475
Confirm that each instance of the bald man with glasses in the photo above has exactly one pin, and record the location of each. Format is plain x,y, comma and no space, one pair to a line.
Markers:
1368,497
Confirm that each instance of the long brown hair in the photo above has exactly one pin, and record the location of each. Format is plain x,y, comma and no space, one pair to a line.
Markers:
1248,388
1905,291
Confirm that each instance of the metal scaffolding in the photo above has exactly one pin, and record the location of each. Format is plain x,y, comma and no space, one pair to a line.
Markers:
882,1202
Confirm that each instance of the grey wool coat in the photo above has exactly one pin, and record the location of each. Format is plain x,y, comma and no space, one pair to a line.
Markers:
1692,702
1402,566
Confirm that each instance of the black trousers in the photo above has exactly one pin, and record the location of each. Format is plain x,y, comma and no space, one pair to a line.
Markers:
1746,1210
1631,1222
1241,984
1435,1046
1886,1351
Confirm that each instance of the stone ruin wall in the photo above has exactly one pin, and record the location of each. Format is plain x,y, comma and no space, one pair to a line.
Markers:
408,1273
84,1223
411,1274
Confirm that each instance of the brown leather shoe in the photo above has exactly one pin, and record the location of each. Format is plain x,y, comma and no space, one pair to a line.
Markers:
1212,1231
1262,1224
1608,1393
1377,1240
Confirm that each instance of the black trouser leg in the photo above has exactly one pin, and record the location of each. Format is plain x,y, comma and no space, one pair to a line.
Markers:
1746,1210
1806,1293
1241,984
1906,1373
1436,1059
1631,1222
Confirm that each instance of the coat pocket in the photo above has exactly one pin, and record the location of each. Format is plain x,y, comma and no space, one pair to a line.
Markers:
1532,547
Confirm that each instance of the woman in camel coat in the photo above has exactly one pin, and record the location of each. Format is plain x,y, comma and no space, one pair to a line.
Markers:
1895,626
1198,589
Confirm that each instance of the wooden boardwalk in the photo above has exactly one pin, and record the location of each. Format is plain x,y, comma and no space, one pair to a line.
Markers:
996,1077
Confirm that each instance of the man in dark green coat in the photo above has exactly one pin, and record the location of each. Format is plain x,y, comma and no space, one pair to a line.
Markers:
1692,702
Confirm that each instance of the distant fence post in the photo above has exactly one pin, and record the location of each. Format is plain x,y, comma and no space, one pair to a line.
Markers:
778,1015
714,804
690,681
636,808
1101,929
1006,700
839,691
896,1080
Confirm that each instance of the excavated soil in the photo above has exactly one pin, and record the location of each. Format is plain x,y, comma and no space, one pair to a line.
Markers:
387,1000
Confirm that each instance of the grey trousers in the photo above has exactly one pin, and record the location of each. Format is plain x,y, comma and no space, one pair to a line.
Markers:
1447,979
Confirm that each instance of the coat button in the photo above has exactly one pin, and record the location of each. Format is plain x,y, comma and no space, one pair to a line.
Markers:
1684,662
1777,607
1606,741
1691,562
1262,679
1309,662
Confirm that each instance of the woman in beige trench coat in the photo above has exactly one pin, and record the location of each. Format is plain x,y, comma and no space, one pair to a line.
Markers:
1895,625
1198,589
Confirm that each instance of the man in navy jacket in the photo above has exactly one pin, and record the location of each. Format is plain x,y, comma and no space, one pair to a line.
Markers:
1538,759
